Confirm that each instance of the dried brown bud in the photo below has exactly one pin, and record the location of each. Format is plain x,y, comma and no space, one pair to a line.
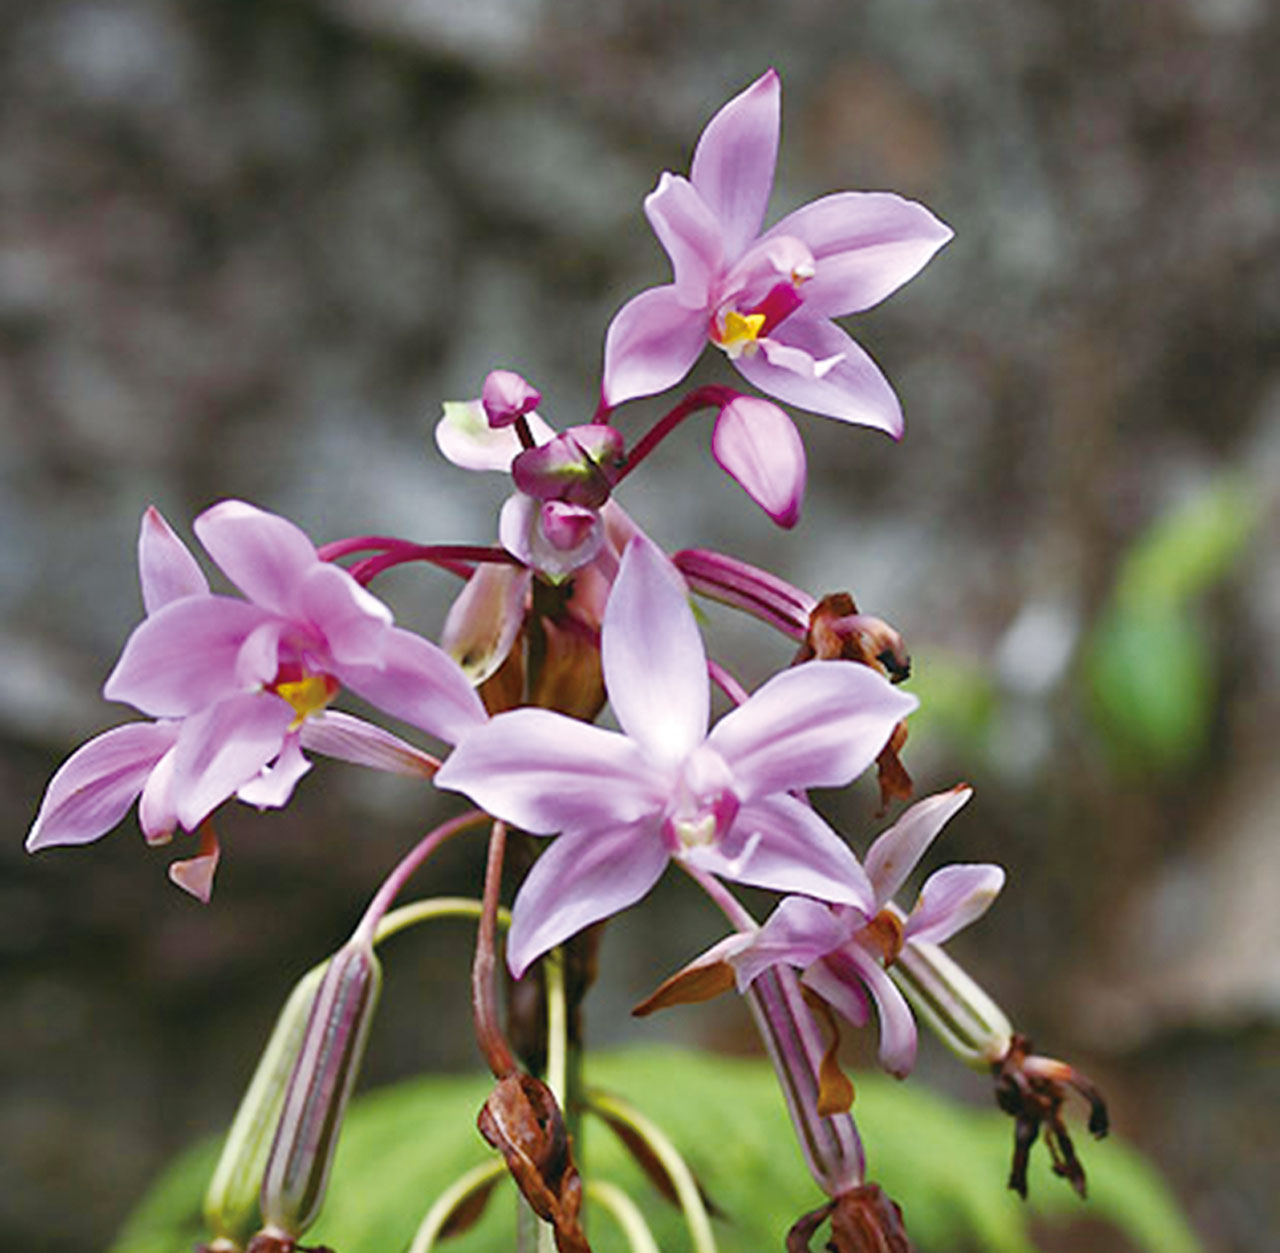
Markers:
863,1220
1032,1090
523,1122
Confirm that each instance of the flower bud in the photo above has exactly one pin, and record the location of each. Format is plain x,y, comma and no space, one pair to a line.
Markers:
507,397
329,1059
231,1201
579,466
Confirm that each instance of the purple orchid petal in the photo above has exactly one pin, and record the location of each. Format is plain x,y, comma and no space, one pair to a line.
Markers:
798,932
186,656
951,899
258,660
734,161
689,232
758,446
544,772
94,788
347,738
655,668
465,438
353,621
485,619
780,843
166,567
845,995
418,683
853,390
263,554
865,246
894,855
580,879
273,786
820,724
158,804
222,748
897,1026
650,345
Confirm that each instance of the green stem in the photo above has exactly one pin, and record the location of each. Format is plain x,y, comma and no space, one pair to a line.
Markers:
625,1213
428,1234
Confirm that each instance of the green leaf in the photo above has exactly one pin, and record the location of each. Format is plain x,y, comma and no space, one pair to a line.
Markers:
945,1164
1192,546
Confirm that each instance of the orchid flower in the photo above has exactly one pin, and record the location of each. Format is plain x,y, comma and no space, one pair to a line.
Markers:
237,687
624,804
767,300
843,949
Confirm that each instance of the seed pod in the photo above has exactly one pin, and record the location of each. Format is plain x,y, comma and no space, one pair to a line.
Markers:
332,1047
231,1201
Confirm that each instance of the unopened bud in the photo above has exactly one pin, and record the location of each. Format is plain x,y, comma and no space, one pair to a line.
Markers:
231,1201
332,1047
579,466
506,397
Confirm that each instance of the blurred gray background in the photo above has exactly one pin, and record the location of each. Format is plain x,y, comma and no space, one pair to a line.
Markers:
247,248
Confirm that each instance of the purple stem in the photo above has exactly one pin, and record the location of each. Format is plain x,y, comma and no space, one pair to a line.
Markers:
713,396
743,586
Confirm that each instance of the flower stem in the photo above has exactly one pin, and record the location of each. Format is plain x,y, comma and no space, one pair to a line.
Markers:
713,396
493,1044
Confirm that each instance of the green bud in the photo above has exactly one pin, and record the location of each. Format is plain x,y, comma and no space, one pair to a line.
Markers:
328,1061
231,1202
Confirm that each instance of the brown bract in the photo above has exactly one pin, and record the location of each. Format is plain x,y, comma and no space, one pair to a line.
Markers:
523,1122
863,1220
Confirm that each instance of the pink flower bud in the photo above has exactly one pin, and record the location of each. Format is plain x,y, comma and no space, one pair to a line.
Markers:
506,397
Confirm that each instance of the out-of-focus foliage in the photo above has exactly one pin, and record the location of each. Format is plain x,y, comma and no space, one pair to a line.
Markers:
1150,662
944,1164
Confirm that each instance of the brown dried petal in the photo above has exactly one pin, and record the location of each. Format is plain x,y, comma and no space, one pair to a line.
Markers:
863,1220
523,1122
835,1088
689,986
895,782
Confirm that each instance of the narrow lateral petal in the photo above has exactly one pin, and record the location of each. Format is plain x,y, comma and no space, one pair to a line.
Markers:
579,880
852,390
655,668
166,567
222,748
263,554
758,446
820,724
186,656
691,237
347,738
465,437
897,1026
543,772
158,806
894,855
951,899
733,164
93,789
865,246
845,995
418,683
798,932
272,787
780,843
651,345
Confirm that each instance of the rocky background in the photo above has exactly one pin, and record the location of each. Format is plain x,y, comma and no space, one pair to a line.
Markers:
247,248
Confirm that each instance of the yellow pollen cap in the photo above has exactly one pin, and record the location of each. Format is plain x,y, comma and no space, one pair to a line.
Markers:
307,696
740,331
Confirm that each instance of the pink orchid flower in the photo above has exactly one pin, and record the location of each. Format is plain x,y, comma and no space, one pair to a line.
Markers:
624,804
239,687
767,300
843,949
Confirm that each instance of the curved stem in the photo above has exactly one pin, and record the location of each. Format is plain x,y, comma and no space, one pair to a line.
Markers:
730,906
493,1044
396,880
714,396
433,1223
625,1212
429,910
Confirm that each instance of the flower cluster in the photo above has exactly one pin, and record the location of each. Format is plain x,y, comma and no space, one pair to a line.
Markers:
572,608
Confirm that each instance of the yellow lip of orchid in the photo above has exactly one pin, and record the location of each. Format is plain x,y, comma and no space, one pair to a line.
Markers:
739,333
308,695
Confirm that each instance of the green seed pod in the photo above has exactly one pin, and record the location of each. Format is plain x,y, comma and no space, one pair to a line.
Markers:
231,1202
297,1172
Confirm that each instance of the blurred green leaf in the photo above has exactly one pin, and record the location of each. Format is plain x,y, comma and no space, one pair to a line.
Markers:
957,698
1152,687
945,1164
1182,553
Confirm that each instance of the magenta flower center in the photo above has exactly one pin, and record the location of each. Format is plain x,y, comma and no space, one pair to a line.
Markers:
703,804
